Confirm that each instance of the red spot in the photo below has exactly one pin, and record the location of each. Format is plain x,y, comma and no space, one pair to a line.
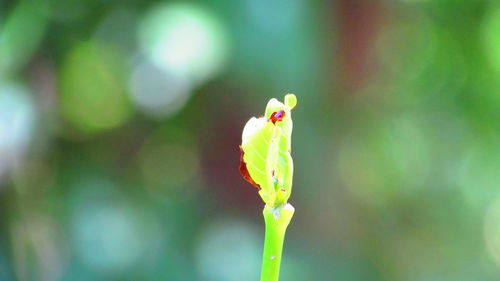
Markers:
283,190
277,116
244,171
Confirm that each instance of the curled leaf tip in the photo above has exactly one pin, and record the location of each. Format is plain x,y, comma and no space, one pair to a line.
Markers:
266,161
291,100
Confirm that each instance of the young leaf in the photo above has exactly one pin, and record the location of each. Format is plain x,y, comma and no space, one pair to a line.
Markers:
265,151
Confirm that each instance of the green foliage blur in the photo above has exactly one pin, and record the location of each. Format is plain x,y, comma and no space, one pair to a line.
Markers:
120,123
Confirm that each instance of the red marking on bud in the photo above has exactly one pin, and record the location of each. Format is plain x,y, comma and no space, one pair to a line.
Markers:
244,171
283,190
277,116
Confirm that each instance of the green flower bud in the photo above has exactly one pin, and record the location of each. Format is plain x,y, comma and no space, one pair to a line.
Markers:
266,161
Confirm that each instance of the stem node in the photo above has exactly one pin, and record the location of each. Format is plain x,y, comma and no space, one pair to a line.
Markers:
277,220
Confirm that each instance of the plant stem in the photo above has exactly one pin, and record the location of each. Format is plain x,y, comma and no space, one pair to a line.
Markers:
276,220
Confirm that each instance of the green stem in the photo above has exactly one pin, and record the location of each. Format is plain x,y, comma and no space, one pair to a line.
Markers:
277,220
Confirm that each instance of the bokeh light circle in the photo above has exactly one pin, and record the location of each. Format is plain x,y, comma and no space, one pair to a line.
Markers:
184,39
111,234
241,250
92,88
156,92
17,117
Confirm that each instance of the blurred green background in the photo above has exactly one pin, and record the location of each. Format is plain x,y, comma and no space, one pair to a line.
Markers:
120,123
